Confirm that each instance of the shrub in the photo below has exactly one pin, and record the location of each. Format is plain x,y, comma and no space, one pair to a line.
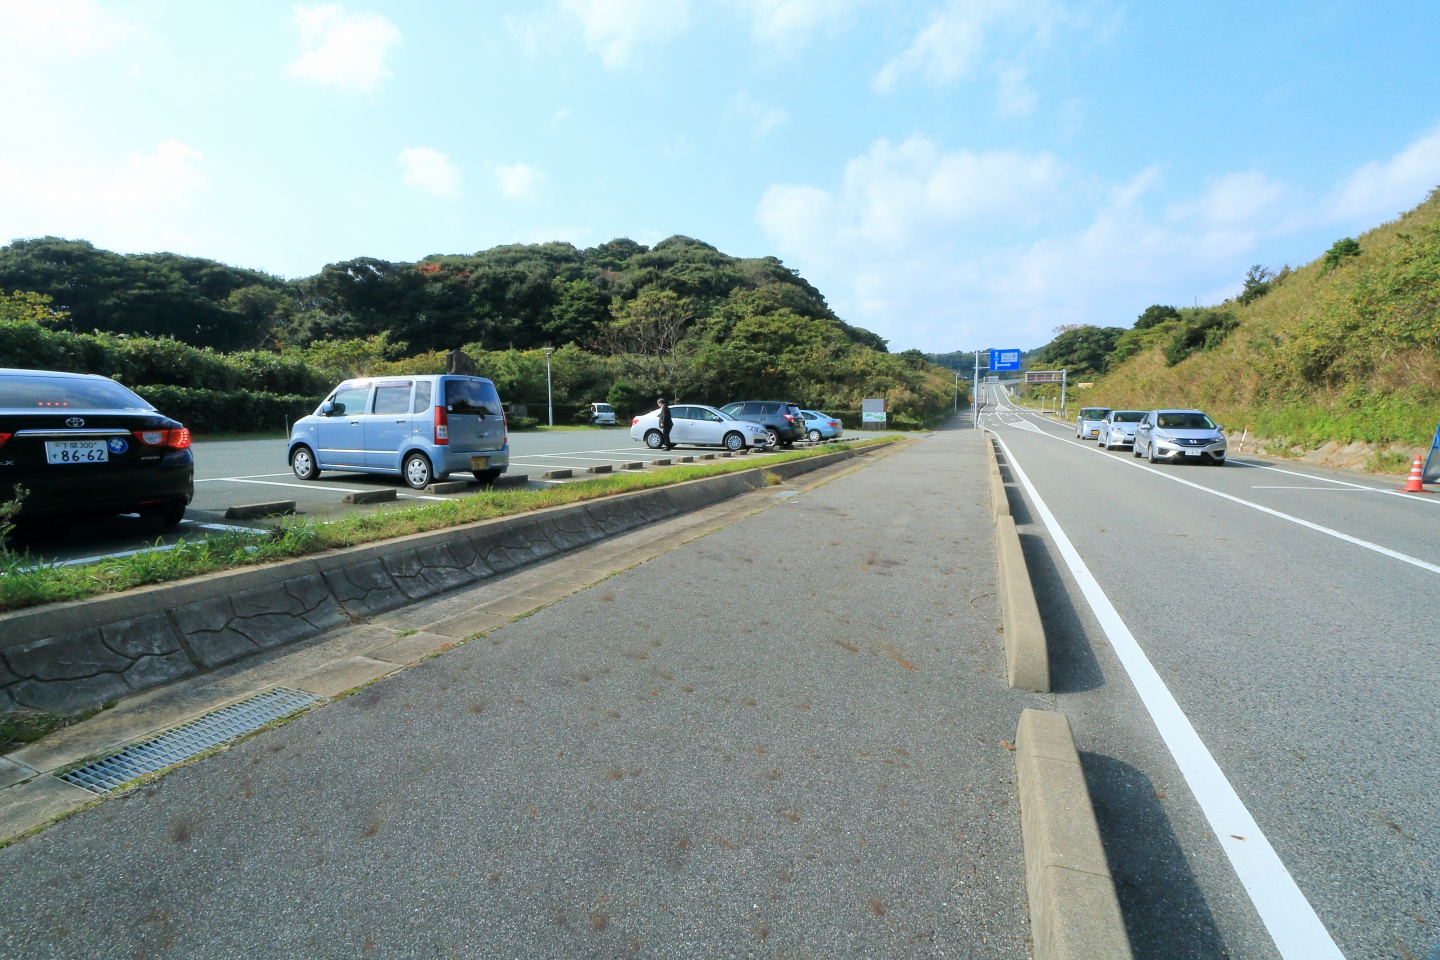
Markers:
1204,330
216,411
1341,249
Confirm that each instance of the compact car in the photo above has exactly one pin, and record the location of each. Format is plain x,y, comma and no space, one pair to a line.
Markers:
784,420
602,414
821,426
696,425
420,428
1117,429
80,444
1087,422
1179,435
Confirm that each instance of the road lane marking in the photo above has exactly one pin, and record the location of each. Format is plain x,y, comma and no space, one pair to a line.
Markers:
1347,483
297,486
1287,915
1273,486
1318,528
252,476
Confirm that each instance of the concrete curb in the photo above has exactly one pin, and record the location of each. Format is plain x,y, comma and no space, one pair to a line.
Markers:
999,502
1027,659
1074,911
70,656
371,496
250,511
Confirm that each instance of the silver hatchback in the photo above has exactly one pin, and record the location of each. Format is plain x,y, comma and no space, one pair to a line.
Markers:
1177,435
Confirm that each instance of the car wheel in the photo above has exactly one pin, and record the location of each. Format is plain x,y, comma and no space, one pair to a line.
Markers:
302,462
416,471
488,476
169,514
654,440
1135,449
1150,453
734,442
814,436
774,437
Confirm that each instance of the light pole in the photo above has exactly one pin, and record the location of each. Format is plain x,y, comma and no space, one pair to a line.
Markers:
957,392
549,402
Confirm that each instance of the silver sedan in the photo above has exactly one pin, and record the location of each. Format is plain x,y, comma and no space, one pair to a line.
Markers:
699,426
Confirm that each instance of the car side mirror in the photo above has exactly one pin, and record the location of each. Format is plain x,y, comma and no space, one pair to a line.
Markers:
327,407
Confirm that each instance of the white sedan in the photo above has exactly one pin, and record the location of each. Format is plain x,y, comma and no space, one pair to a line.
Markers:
698,426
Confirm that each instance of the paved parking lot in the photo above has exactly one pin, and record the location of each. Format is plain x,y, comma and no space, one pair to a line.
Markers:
230,473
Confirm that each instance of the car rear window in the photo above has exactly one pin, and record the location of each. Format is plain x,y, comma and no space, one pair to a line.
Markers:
794,411
48,393
473,397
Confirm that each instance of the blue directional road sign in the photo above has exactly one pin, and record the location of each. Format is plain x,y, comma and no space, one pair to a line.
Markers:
1004,359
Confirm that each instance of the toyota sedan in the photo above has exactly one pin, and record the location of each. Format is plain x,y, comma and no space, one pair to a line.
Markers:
699,426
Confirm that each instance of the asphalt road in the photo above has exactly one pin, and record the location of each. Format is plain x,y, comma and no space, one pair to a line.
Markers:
1291,612
237,472
785,738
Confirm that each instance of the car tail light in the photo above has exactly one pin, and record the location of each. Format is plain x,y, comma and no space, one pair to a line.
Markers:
3,438
634,421
442,426
790,418
177,439
505,422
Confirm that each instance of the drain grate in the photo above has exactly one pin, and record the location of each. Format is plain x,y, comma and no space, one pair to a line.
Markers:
189,739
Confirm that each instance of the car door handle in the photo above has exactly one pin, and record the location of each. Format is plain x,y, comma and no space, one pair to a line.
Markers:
399,421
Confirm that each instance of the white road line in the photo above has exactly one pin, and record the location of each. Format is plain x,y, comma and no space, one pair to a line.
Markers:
252,476
1366,544
1273,486
1359,486
1287,915
297,486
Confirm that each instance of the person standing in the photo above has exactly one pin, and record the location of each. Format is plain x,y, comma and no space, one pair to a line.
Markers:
666,422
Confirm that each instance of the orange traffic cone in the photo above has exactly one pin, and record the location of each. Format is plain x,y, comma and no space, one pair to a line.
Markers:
1416,482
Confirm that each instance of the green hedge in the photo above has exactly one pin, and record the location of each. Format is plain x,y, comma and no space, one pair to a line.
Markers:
238,411
137,361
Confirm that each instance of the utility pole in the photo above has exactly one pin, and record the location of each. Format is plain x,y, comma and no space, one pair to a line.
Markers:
549,396
1062,390
975,397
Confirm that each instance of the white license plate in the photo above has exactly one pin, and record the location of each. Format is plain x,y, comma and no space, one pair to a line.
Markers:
76,451
479,463
1193,453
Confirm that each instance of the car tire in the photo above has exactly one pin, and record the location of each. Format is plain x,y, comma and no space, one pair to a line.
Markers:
169,514
1150,453
734,442
654,440
416,471
1135,449
814,436
774,437
488,476
302,463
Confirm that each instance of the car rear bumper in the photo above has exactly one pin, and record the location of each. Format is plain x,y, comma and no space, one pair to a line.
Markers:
87,491
458,461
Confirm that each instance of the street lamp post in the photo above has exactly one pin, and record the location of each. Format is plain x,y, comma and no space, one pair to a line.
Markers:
549,401
957,392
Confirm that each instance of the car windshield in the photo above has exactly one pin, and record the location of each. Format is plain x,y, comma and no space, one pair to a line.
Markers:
52,393
604,408
1093,413
1127,416
1185,421
725,416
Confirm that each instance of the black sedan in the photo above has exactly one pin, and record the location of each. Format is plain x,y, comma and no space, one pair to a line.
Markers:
81,445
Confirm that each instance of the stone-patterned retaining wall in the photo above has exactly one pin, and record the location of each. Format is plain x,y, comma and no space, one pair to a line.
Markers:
72,656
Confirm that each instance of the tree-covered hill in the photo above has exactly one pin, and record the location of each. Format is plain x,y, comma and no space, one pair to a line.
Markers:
1345,349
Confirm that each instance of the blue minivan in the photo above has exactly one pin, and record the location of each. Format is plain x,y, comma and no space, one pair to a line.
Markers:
422,428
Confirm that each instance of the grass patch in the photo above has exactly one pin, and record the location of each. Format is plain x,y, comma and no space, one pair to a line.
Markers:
21,727
24,583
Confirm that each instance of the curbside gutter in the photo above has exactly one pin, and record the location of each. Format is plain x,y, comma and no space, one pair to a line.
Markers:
71,656
1074,911
1027,659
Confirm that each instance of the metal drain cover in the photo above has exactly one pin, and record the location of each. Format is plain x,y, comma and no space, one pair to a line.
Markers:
188,739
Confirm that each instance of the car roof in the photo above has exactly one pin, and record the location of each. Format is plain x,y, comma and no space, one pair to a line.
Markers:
17,372
1177,410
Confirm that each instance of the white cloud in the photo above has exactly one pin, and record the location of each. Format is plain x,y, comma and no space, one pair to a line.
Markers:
38,29
340,49
760,117
1003,39
617,29
1382,190
429,171
786,25
518,180
144,203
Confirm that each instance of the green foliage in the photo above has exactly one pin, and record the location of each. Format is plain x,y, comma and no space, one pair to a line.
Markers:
1257,283
1082,350
9,509
1155,315
1340,250
216,411
1203,329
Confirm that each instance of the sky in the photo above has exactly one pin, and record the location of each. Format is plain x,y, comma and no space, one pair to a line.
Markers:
953,174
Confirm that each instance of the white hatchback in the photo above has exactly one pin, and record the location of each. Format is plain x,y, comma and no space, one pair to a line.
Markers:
699,426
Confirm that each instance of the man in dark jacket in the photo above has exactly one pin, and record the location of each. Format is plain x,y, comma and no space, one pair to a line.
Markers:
666,422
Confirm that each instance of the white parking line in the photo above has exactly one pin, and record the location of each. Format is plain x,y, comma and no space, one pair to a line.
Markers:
1287,915
296,486
252,476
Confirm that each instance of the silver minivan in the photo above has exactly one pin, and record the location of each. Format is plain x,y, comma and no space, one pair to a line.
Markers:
422,428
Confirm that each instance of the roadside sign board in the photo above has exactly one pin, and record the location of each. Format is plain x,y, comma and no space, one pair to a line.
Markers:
873,410
1004,359
869,417
1044,376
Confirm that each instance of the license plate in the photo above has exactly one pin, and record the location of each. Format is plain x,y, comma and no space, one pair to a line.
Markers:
479,463
1193,453
76,451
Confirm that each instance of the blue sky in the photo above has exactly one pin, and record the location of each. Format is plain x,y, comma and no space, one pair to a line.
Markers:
951,175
